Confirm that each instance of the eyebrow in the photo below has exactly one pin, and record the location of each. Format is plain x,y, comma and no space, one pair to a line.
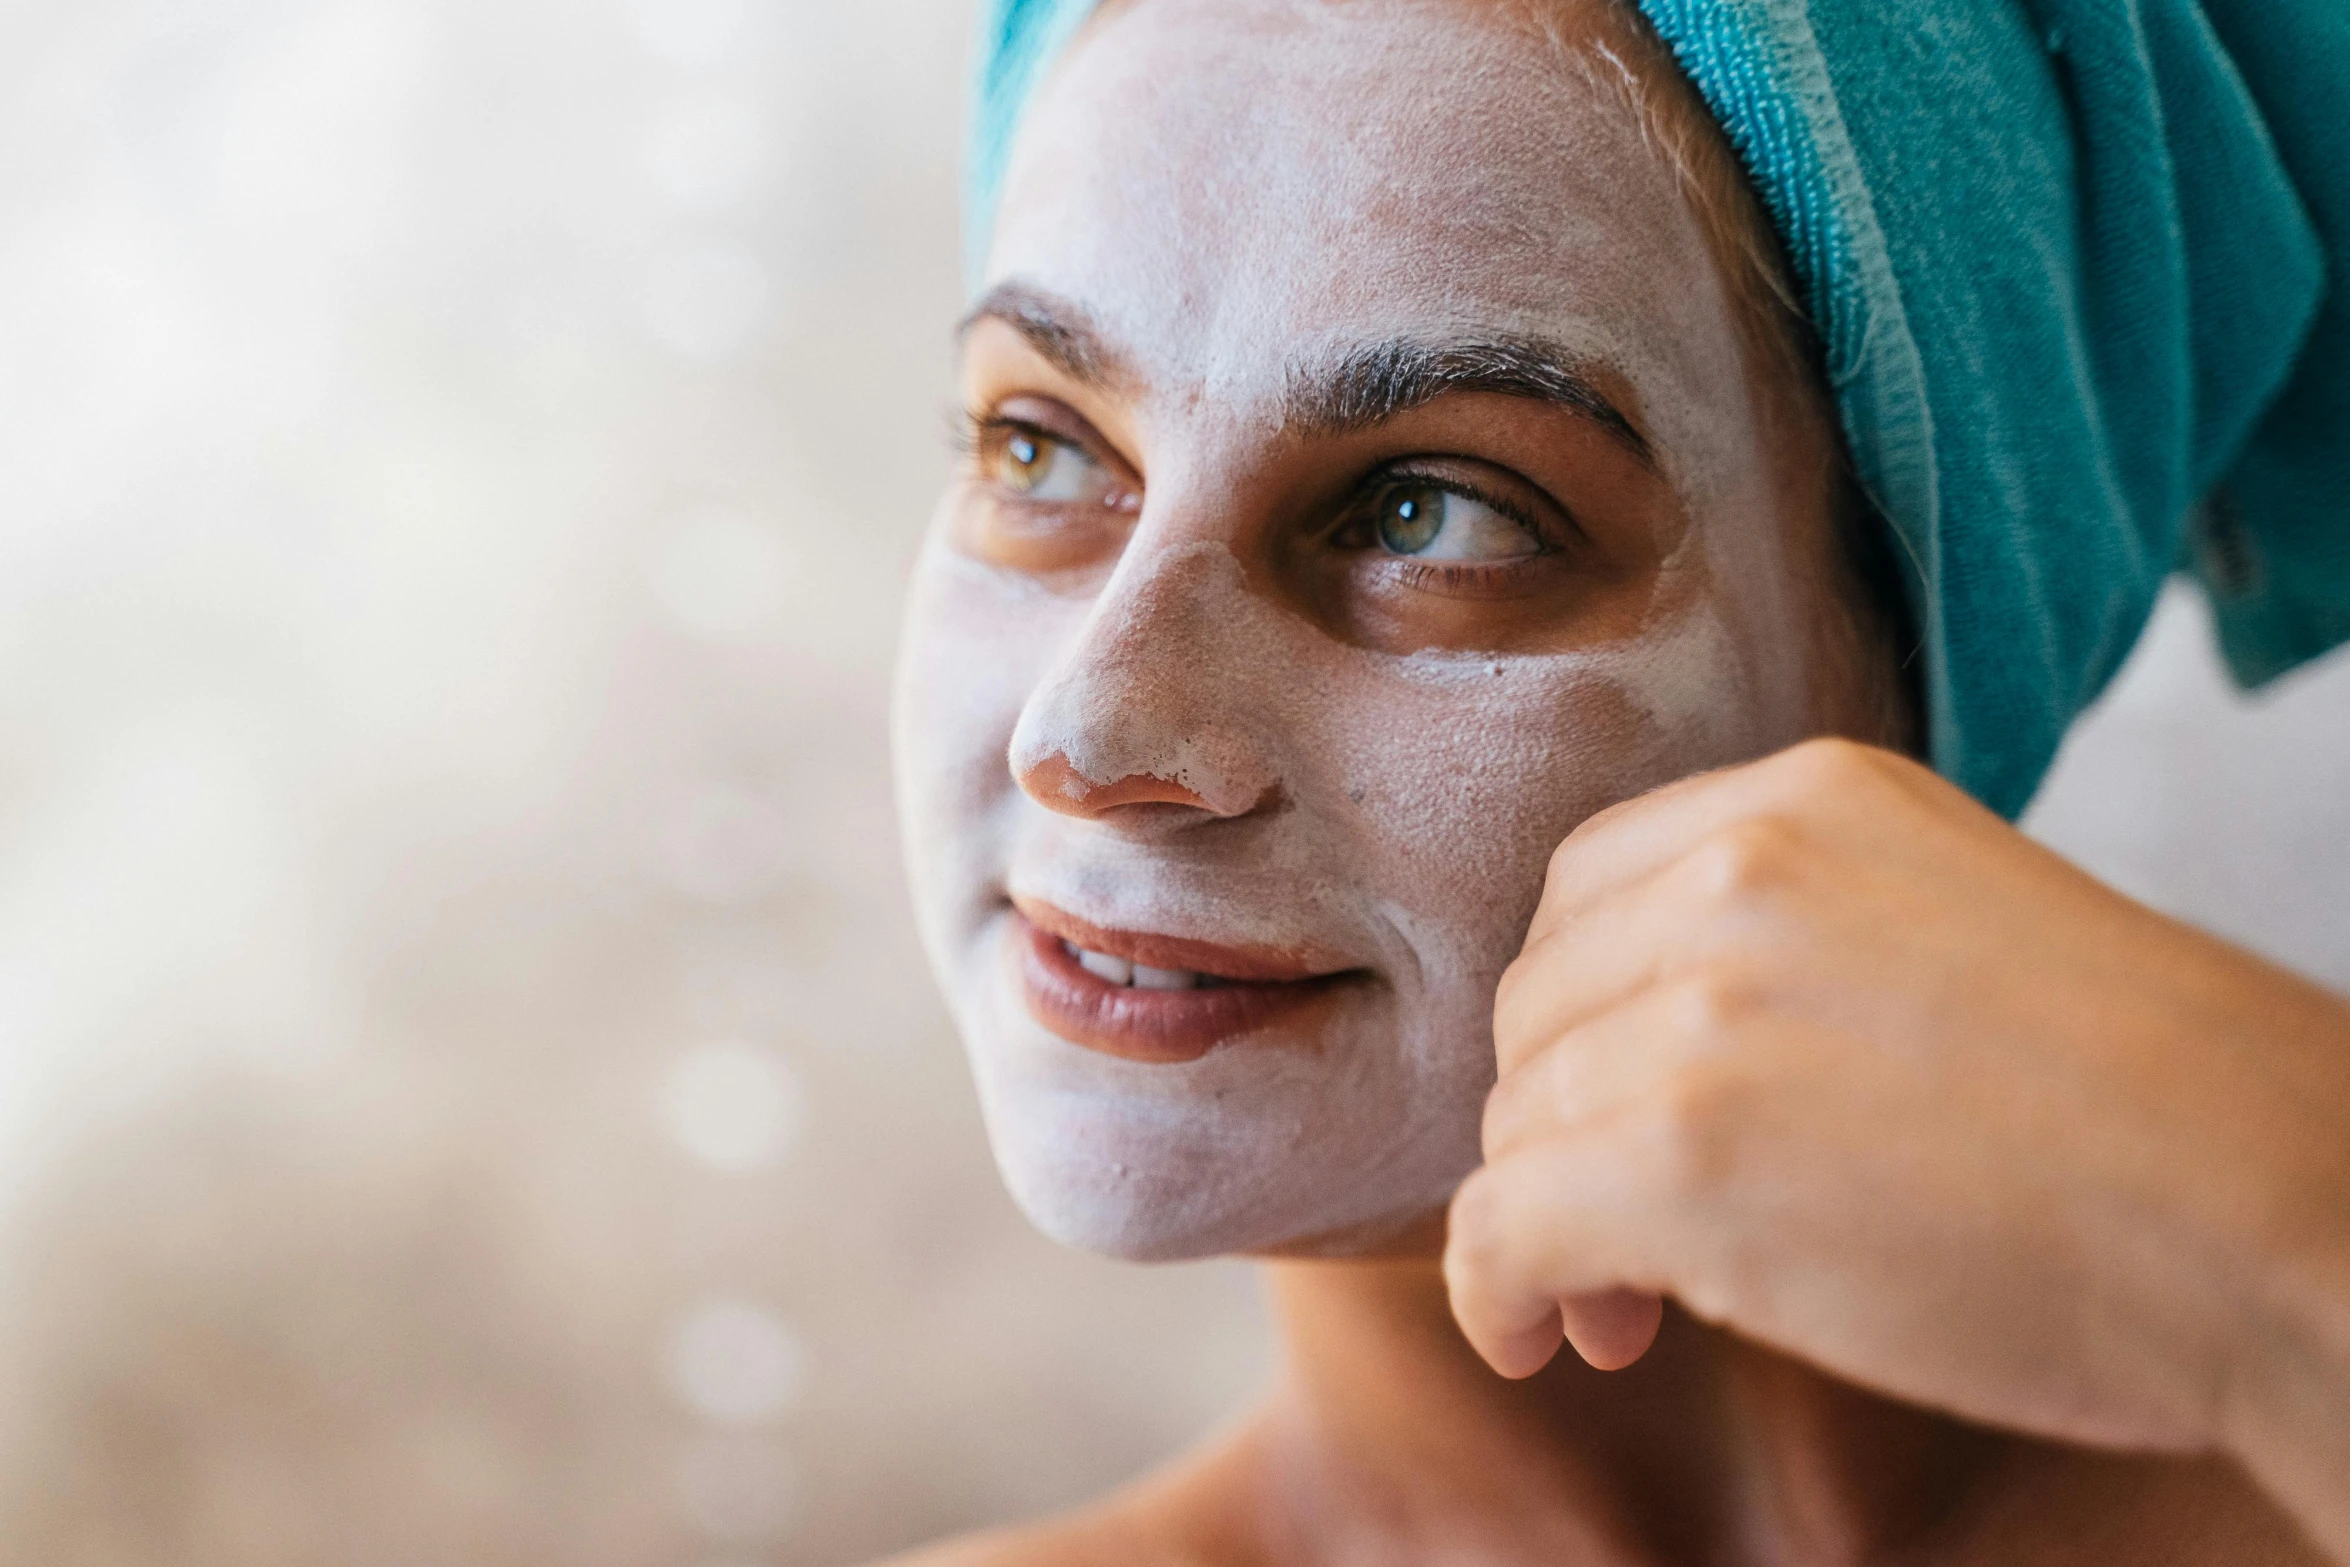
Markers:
1062,335
1367,386
1362,387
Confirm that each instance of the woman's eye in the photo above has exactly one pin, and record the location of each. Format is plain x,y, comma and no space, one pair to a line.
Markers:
1042,469
1429,523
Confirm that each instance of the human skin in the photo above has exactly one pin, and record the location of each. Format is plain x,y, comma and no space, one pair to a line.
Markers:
1165,688
1842,1062
1226,723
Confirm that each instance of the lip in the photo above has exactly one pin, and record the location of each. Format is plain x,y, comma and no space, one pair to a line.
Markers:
1264,992
1237,964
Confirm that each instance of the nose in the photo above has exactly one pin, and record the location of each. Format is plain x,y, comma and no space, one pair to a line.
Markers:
1055,783
1148,707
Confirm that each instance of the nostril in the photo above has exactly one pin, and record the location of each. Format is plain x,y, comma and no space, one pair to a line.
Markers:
1058,786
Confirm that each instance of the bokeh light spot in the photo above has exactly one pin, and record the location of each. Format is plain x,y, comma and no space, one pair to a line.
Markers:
733,1105
735,1363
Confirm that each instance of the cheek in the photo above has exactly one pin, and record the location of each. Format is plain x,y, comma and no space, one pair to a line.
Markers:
974,645
1467,789
1460,779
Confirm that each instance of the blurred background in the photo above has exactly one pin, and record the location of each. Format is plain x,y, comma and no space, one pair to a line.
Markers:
468,1089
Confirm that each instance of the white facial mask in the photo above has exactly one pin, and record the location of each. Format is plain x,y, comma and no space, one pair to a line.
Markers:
1392,812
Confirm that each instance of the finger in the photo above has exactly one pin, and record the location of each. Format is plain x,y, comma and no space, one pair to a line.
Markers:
1616,847
1617,1061
1810,785
1548,1224
1611,1329
1576,972
1698,918
1517,1353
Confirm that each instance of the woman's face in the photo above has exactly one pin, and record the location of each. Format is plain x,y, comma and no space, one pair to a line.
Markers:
1367,485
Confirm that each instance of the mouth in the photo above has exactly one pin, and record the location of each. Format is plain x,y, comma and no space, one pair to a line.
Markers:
1163,999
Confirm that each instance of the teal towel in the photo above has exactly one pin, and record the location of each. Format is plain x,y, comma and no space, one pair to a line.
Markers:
2082,273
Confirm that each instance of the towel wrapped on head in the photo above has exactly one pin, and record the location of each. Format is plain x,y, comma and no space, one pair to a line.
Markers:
2081,273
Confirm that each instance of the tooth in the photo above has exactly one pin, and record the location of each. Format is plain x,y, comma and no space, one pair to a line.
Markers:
1102,966
1146,978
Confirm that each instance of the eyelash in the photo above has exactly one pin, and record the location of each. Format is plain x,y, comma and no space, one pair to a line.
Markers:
971,433
967,431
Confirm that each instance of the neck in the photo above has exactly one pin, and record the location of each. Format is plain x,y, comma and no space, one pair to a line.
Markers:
1710,1449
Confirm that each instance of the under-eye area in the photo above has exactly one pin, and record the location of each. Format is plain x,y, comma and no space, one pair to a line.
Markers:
1411,497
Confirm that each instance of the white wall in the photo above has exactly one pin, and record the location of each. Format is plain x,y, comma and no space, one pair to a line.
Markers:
2226,808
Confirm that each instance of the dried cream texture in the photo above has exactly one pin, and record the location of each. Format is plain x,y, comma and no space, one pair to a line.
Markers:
1230,187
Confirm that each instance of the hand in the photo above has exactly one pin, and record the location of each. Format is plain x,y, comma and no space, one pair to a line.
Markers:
1844,1063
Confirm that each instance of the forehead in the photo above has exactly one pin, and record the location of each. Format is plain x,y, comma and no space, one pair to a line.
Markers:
1214,178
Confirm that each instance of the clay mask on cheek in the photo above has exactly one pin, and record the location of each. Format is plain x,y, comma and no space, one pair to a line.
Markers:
1381,819
1421,797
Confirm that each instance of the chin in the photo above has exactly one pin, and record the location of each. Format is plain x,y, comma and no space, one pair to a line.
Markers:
1345,1139
1123,1219
1180,1183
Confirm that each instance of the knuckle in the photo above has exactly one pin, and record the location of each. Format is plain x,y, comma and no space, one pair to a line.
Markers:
1528,1101
1567,856
1562,895
1509,1004
1564,855
1712,1003
1750,857
1608,814
1562,873
1518,1007
1506,1109
1521,981
1832,764
1691,1133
